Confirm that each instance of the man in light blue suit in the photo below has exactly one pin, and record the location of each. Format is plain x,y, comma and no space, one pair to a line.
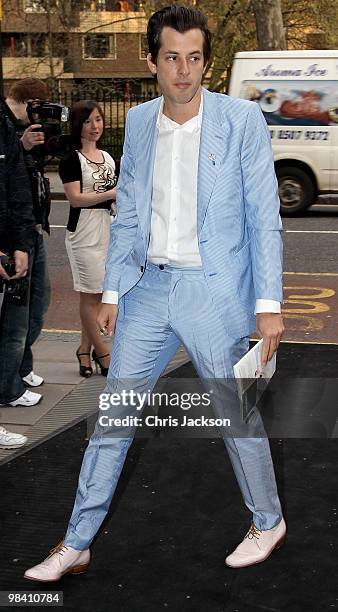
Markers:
195,258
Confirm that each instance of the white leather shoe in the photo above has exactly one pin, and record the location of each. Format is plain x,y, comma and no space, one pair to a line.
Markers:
257,546
28,398
9,439
61,560
33,380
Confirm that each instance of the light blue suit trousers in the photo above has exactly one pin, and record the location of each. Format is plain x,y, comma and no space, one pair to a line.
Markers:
164,309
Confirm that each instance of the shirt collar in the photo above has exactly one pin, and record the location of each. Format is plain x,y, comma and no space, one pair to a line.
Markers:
164,123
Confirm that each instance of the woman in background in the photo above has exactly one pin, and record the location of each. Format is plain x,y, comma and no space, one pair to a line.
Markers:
88,175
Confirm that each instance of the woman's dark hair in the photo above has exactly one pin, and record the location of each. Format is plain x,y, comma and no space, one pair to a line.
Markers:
79,114
182,19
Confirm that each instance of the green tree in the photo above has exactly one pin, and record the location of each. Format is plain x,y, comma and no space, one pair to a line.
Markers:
311,23
307,24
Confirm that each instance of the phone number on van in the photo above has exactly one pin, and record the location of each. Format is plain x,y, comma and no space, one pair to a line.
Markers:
298,134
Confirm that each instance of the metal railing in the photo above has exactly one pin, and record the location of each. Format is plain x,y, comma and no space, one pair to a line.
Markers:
115,107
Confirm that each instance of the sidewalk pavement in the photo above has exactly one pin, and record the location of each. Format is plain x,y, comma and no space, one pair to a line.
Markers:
56,186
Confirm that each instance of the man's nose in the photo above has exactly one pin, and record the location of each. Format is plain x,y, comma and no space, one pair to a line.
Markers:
184,67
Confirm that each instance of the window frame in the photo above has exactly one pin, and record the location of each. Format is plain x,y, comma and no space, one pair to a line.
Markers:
112,38
31,9
140,46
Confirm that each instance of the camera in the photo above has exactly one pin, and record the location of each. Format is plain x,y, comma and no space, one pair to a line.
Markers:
50,116
17,289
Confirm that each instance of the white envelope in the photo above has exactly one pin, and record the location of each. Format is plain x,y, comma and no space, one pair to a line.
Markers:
252,379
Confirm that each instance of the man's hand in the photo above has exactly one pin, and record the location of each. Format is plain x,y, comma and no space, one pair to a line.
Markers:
106,319
3,274
30,138
270,326
21,264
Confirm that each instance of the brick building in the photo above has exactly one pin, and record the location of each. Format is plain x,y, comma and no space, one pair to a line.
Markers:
77,44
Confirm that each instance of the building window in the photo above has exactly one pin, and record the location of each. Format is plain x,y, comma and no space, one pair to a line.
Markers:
14,44
35,6
38,45
106,5
41,6
100,5
99,46
143,46
17,44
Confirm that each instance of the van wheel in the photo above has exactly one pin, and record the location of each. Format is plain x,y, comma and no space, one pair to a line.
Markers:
296,190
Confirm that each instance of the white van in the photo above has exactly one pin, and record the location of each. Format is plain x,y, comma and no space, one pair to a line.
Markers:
298,94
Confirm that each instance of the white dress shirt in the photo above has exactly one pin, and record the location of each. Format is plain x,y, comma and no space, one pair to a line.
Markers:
173,232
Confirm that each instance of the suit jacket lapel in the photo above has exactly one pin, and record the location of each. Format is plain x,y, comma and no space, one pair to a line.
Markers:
145,158
213,148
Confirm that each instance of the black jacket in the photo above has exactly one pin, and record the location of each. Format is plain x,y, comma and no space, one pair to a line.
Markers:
17,224
35,161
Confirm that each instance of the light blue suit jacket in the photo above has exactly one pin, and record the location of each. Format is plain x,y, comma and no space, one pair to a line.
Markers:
238,222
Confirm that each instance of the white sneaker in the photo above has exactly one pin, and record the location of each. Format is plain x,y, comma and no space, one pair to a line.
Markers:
8,439
257,546
61,560
33,380
28,398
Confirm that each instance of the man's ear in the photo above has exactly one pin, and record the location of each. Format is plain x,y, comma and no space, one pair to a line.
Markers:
152,67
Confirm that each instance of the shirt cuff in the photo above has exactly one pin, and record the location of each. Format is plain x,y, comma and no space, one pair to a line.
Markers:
267,306
110,297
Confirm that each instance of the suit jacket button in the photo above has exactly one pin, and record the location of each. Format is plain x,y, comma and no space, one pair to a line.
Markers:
142,269
161,266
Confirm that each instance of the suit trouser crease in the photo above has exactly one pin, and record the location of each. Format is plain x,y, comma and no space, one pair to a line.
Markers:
164,309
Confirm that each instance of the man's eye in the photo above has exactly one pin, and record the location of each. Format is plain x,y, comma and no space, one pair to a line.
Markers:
171,57
195,59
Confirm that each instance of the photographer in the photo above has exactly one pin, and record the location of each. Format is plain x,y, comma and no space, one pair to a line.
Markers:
30,318
16,239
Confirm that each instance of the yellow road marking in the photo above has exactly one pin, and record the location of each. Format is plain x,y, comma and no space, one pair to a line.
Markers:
310,231
312,273
309,342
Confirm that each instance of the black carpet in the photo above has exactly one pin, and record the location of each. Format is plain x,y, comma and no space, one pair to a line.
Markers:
176,515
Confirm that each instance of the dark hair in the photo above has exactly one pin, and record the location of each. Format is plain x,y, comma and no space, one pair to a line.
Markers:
78,115
29,89
182,19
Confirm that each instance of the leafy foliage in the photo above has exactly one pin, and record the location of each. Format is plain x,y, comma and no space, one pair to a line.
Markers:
308,24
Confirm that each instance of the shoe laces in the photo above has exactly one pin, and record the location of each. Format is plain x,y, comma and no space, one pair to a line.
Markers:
3,430
60,548
253,532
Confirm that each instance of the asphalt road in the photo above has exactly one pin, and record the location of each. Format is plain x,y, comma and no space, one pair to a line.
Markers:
310,279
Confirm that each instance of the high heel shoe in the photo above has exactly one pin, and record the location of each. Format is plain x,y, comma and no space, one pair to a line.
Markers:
85,371
96,359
